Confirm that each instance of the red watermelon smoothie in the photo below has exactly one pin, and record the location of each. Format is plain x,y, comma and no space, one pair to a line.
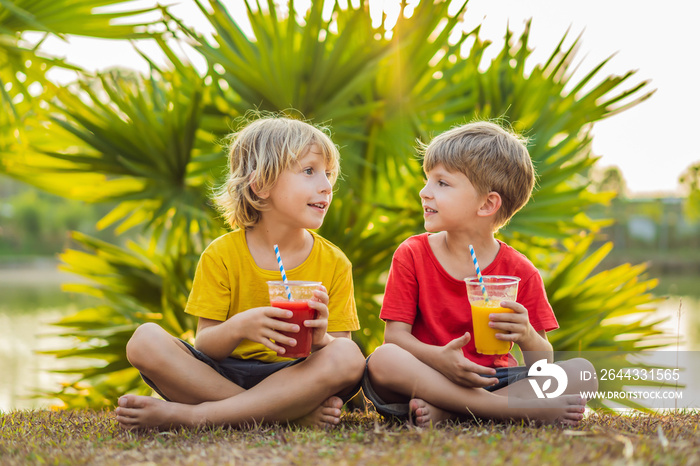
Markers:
302,312
301,292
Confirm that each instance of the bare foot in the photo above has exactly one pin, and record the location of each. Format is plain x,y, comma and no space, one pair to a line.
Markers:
425,414
143,412
564,410
327,415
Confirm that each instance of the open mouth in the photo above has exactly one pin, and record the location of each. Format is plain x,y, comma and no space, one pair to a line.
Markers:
319,205
428,210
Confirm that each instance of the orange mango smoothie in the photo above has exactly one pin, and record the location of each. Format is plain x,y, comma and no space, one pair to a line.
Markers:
485,336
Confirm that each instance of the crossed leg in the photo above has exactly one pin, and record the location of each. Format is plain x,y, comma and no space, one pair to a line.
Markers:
397,376
303,393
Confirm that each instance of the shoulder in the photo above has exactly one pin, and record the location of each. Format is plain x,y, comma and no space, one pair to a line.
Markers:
516,261
413,251
415,245
226,243
328,250
509,253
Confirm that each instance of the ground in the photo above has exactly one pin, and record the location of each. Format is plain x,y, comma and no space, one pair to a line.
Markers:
88,437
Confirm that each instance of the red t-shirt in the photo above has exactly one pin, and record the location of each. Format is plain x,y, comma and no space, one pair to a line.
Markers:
420,292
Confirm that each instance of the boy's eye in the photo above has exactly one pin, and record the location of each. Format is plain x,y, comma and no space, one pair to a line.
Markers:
442,183
309,171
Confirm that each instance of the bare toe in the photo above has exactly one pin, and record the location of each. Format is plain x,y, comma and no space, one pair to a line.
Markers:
133,401
325,416
425,414
333,402
143,412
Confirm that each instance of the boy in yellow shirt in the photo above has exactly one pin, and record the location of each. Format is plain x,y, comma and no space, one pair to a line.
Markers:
280,186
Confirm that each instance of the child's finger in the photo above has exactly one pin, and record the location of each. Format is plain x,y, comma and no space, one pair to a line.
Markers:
508,336
507,326
278,313
459,342
316,323
321,308
281,326
478,369
516,307
474,380
508,317
321,294
278,337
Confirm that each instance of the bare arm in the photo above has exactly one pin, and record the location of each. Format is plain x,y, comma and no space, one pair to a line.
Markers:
399,333
448,359
538,348
534,344
218,339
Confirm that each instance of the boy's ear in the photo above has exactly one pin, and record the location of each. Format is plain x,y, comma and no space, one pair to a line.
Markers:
491,204
254,187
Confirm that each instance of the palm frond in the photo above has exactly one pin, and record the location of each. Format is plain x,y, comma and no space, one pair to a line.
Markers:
606,315
132,141
78,17
149,145
134,286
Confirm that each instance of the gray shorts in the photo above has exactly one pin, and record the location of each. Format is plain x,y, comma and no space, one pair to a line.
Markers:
400,411
246,373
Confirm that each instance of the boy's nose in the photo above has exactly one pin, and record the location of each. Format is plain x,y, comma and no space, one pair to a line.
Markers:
424,193
325,185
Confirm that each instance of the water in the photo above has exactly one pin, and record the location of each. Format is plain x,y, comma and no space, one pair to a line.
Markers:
31,298
681,309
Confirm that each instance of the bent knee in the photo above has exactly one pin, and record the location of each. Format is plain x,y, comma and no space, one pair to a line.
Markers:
145,344
577,366
383,360
344,357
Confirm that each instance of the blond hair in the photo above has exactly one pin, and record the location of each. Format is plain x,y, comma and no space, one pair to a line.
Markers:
258,154
493,158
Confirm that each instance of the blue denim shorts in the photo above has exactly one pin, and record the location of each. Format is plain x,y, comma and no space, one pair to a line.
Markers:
246,373
400,411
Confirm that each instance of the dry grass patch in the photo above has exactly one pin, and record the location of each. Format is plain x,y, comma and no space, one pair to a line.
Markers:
88,437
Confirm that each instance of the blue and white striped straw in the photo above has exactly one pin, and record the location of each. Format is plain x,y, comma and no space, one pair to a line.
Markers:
284,275
478,273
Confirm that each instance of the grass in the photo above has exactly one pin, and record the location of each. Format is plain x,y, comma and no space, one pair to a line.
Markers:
89,437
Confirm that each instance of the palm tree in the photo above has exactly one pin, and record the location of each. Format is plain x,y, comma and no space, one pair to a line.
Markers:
149,145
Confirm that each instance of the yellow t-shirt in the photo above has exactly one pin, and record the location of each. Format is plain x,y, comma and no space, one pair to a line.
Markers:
228,281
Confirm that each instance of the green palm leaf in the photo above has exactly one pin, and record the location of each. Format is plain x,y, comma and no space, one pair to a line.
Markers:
149,145
79,17
602,314
136,142
21,67
134,286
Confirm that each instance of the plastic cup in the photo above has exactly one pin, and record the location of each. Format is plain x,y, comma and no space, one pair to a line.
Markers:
498,288
302,292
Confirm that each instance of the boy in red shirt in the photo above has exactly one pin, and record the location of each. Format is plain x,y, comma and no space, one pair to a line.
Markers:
478,176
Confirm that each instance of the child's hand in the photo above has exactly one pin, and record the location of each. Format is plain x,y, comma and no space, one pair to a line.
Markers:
459,369
320,324
515,325
261,325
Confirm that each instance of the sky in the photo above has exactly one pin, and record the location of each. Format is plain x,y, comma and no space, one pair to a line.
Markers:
651,143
